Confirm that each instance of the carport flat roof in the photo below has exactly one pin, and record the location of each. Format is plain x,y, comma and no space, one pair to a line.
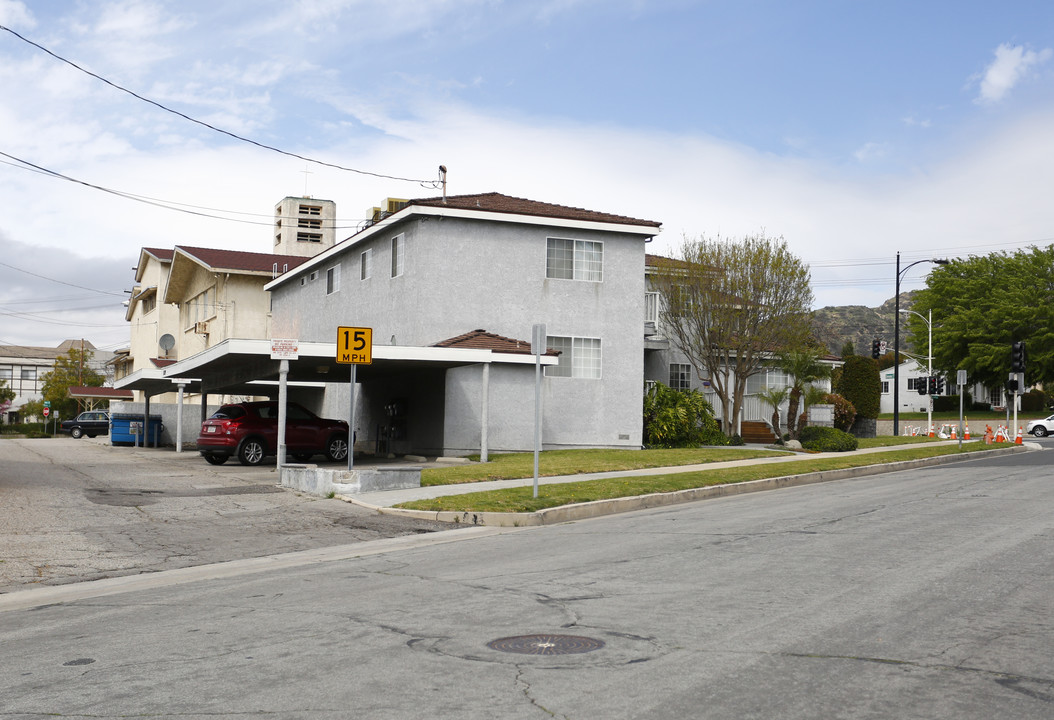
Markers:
242,366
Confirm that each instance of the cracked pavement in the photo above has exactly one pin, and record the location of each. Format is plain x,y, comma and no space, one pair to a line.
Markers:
917,594
73,510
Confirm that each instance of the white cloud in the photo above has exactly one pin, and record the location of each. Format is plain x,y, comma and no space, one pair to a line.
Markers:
14,14
1012,63
872,151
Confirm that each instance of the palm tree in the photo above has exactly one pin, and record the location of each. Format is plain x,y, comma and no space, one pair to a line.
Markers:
775,397
804,368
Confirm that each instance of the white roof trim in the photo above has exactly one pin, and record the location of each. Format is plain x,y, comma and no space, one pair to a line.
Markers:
242,346
429,210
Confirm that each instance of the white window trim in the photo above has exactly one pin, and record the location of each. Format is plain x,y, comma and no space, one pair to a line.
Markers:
398,255
573,375
333,280
575,269
366,264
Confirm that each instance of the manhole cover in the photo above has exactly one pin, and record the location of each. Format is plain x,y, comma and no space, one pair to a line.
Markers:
546,644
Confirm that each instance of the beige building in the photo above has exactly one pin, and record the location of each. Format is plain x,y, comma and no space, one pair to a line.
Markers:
188,299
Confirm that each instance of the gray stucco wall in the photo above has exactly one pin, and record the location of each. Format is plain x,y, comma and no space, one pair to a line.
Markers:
460,275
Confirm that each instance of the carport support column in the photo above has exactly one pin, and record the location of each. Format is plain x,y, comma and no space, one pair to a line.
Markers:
179,416
483,414
145,434
283,396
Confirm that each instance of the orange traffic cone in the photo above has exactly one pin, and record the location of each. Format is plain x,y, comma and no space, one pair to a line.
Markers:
931,430
1017,440
966,431
954,437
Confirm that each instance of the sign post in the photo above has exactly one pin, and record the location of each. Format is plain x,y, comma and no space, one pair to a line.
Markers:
537,349
354,347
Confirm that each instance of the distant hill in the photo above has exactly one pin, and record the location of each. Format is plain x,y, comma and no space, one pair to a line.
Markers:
837,324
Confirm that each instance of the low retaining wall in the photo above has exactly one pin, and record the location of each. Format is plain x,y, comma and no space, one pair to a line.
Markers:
314,480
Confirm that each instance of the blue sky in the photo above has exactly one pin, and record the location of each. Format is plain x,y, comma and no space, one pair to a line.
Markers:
852,129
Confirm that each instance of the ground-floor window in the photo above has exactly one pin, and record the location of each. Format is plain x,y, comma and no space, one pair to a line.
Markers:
680,376
579,357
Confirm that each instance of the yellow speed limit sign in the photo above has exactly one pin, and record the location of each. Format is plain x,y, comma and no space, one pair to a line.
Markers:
354,345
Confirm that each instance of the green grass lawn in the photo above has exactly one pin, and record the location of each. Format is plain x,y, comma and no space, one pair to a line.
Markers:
575,462
520,499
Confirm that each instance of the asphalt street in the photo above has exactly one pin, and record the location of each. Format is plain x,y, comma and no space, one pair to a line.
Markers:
74,510
922,594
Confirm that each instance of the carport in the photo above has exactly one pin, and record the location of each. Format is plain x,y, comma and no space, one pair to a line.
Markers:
249,367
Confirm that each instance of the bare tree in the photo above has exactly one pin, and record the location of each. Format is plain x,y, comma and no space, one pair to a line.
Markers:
731,305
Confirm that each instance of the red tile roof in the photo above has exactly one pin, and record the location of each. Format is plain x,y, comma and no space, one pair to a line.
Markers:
162,362
244,261
496,202
483,340
102,393
159,253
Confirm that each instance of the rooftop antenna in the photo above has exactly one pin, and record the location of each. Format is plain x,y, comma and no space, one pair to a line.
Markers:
306,173
442,179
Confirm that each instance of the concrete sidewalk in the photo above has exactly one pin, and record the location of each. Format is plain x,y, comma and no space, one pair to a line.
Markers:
390,498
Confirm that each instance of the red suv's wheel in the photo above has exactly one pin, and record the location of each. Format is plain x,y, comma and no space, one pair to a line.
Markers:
337,448
252,451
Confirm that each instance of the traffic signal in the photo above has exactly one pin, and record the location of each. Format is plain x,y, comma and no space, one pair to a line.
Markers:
940,385
1011,386
920,385
1017,357
931,384
876,349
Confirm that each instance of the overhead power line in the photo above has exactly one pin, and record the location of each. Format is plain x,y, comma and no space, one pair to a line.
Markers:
61,282
425,183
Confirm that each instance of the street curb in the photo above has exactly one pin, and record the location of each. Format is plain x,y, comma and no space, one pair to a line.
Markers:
598,508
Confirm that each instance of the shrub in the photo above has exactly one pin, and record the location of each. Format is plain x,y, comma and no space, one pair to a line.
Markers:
844,412
826,439
950,403
735,440
861,386
679,419
1034,401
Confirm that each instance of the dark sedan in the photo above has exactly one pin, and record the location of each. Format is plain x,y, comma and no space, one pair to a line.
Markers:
90,423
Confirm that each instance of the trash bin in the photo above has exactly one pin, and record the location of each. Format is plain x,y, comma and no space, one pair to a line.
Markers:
127,429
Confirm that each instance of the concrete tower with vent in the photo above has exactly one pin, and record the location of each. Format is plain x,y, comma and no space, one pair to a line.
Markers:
304,226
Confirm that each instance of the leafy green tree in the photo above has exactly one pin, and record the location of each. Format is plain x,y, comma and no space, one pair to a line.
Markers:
675,418
847,349
7,396
861,386
805,368
728,305
70,370
983,304
31,409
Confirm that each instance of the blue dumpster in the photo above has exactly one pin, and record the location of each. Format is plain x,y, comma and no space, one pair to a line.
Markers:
127,429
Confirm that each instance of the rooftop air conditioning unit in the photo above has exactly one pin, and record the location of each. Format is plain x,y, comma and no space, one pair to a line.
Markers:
201,328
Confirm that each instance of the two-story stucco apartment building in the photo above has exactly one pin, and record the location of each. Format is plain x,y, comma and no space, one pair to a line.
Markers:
480,271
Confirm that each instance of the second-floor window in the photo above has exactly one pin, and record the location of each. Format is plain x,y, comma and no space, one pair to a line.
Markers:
397,255
333,280
366,264
574,259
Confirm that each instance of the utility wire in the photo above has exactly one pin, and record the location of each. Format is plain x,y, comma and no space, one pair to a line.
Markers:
61,282
423,183
166,204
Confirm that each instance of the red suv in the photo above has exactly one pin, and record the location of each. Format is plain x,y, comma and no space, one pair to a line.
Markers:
250,431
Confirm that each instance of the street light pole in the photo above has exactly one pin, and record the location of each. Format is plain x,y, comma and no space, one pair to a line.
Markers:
929,360
896,338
